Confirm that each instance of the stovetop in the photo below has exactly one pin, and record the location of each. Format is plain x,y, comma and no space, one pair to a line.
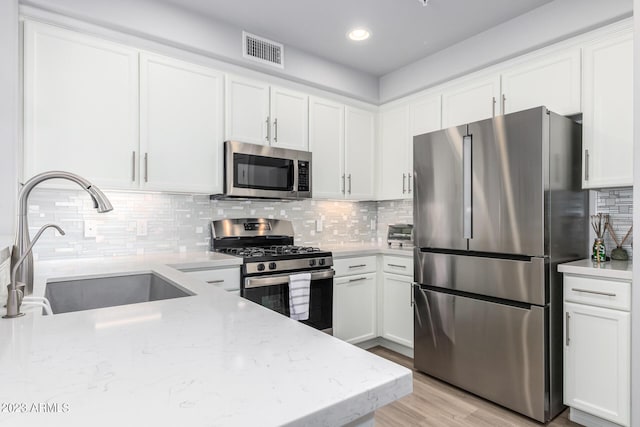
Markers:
266,246
275,252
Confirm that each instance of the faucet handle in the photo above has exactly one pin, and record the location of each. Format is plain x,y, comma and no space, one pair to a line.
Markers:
14,300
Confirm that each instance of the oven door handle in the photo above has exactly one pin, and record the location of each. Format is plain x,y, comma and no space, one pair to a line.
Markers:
282,279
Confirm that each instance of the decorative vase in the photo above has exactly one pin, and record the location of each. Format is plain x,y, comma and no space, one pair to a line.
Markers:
619,254
599,252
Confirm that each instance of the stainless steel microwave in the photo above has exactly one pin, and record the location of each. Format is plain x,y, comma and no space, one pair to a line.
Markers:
261,171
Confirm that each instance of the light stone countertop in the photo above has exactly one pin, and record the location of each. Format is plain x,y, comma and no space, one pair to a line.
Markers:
212,359
609,270
353,250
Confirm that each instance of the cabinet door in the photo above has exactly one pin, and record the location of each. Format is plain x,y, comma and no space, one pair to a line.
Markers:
425,115
289,119
80,106
597,361
354,308
397,309
471,101
607,126
394,154
552,81
359,154
246,110
180,126
326,142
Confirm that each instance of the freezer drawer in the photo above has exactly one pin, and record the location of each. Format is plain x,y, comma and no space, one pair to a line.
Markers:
521,279
493,350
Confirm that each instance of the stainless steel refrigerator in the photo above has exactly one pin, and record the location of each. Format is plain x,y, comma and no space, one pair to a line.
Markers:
497,205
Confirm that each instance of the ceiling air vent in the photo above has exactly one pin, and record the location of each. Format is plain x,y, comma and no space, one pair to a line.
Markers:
262,50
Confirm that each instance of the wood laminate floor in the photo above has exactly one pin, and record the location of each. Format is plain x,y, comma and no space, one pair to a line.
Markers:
435,403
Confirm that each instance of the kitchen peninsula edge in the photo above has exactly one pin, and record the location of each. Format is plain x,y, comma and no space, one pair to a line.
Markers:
209,359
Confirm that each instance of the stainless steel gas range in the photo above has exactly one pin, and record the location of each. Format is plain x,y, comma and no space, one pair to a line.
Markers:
269,258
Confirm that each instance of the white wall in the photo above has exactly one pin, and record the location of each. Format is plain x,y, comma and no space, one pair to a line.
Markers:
180,28
635,291
545,25
9,82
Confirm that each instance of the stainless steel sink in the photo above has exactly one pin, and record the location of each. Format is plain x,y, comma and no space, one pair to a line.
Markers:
87,294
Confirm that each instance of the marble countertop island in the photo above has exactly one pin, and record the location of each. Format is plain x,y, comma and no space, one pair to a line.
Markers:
211,359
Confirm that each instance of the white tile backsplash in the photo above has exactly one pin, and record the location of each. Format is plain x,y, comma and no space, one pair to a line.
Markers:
180,223
618,203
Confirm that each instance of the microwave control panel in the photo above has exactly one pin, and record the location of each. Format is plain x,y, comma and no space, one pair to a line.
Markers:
303,175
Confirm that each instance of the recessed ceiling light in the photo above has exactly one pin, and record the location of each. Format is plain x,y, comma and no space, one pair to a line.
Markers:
359,34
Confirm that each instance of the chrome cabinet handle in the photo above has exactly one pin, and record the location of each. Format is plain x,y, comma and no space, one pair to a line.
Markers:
566,331
409,182
146,167
504,104
358,266
493,106
413,300
357,280
268,129
344,186
349,183
587,291
213,282
275,125
133,166
586,165
397,265
404,183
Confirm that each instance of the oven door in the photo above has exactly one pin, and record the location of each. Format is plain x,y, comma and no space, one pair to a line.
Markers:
260,171
273,292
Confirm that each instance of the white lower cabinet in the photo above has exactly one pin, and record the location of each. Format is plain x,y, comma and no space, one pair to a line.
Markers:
354,308
396,300
223,278
597,349
355,303
397,309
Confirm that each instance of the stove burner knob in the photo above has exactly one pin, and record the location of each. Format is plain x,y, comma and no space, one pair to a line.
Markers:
312,262
321,261
272,266
260,267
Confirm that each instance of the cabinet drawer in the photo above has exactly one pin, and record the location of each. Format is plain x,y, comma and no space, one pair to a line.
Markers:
359,265
225,278
598,292
398,265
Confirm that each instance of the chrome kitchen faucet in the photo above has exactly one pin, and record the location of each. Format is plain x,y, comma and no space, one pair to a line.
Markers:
24,270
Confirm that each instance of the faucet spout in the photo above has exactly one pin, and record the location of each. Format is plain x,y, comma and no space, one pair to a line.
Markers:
24,269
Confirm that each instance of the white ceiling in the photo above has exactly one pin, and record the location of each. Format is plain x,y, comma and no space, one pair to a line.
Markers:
403,31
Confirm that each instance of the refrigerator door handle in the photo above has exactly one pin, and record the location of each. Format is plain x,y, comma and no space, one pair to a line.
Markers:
467,207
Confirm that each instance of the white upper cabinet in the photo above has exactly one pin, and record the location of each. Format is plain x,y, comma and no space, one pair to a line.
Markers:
607,124
398,126
262,114
359,156
80,106
289,119
552,80
326,142
425,115
472,100
247,110
180,126
394,153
